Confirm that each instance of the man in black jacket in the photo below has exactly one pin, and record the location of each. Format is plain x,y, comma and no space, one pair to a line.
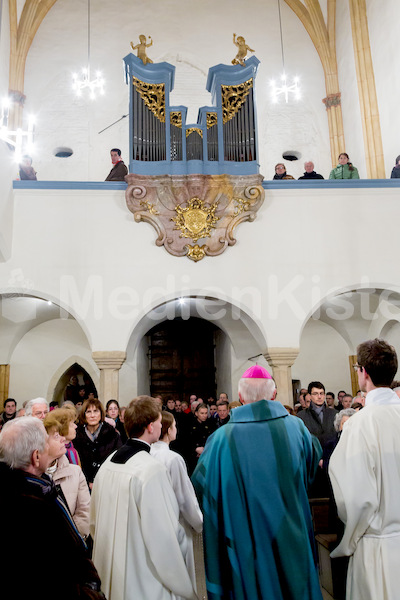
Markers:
309,171
41,533
319,419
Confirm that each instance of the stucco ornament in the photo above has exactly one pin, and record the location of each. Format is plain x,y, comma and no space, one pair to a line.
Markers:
194,215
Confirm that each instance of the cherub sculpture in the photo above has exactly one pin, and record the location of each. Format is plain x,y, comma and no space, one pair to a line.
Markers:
243,48
141,48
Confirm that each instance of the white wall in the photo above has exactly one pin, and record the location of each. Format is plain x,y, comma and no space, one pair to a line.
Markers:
89,254
324,357
40,354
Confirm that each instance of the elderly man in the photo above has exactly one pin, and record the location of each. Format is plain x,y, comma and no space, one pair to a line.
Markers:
253,473
364,470
43,528
37,407
139,544
309,172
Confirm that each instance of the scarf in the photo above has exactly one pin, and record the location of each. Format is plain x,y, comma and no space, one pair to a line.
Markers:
45,487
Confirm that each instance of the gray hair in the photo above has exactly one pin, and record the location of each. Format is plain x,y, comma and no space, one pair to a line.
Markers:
253,390
346,412
19,438
31,403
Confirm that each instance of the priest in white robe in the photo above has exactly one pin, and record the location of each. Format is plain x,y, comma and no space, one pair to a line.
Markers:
365,475
139,545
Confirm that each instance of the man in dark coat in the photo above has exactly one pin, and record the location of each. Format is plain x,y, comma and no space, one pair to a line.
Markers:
309,171
319,420
50,558
119,169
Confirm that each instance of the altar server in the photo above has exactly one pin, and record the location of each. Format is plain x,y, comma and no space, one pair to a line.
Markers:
365,474
139,545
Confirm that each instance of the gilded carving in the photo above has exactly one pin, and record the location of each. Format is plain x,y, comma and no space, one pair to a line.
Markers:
175,118
240,206
194,129
211,119
153,95
196,252
141,49
195,220
233,97
242,51
184,209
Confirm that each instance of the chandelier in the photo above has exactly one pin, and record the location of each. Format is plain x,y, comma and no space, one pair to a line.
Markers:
284,87
84,81
20,140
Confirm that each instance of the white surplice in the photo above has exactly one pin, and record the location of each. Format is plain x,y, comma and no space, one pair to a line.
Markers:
139,545
190,513
365,475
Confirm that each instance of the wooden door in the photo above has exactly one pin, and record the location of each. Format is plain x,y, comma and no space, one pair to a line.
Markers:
182,359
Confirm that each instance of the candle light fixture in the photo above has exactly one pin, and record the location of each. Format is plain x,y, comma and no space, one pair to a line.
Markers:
84,81
285,87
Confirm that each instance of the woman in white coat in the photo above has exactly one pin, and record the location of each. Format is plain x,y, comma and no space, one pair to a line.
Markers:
190,515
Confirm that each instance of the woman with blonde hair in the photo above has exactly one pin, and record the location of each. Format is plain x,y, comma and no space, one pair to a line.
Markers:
66,476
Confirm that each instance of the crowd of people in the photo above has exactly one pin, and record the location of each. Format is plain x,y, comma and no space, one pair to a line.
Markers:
115,495
344,169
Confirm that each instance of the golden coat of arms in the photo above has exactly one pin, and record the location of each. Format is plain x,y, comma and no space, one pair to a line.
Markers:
187,209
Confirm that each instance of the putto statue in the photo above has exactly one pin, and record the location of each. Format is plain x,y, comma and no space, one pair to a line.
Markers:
243,49
141,48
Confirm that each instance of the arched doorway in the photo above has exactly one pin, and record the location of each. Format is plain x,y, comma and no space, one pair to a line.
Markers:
182,358
64,391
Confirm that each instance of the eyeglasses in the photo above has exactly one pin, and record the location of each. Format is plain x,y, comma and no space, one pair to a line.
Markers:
357,366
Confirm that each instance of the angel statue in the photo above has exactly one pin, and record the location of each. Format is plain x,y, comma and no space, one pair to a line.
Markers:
141,48
243,48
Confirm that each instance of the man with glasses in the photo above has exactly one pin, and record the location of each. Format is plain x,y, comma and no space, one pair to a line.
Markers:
319,420
317,417
365,476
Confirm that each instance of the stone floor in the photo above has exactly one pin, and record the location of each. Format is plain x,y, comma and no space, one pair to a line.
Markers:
200,573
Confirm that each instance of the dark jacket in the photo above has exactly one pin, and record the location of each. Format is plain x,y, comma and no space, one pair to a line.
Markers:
284,176
118,172
93,454
395,172
324,431
48,558
198,436
312,175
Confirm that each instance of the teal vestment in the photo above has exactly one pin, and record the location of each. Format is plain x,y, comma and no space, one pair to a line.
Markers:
251,481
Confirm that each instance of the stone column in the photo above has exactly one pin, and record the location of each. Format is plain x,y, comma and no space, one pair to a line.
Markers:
4,383
281,361
109,364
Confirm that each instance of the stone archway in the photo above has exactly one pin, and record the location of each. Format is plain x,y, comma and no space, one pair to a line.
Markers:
60,389
332,332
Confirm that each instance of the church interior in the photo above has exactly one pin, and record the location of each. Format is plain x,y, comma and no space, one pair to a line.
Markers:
83,284
96,283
